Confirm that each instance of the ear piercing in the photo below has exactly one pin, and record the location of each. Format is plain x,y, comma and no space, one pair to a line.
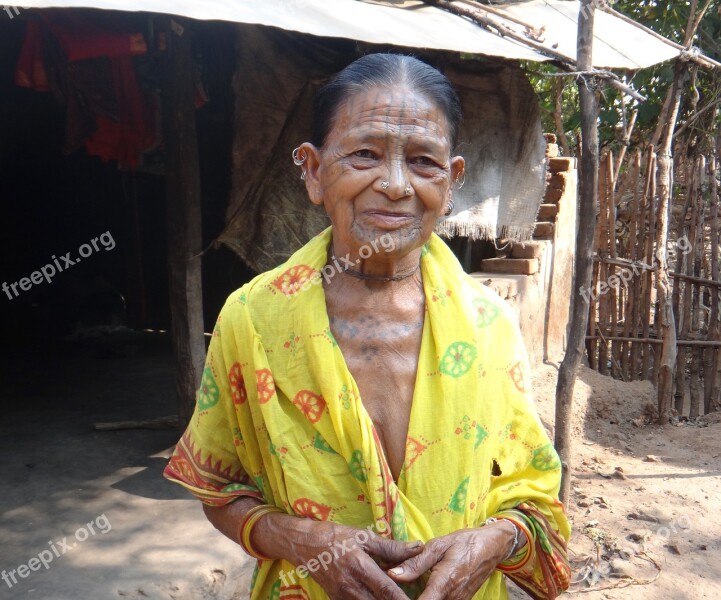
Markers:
299,156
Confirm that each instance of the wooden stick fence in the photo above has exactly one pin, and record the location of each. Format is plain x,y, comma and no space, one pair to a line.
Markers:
622,338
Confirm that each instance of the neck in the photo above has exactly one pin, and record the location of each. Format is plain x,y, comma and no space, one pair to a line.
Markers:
379,266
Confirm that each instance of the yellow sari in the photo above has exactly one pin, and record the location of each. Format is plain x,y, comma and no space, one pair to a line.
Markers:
279,417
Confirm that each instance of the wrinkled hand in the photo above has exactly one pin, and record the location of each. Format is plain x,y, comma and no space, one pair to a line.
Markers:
459,562
338,557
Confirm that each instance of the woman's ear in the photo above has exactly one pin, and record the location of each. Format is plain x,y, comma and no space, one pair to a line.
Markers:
458,168
458,172
312,170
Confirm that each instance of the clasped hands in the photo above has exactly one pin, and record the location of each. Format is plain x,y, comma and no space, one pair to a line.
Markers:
366,566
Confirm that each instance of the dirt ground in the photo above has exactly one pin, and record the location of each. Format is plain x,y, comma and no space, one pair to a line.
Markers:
645,504
645,499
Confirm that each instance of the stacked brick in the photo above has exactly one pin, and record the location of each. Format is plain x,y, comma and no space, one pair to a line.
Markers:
523,258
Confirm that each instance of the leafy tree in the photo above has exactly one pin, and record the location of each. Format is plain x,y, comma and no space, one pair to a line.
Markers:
668,18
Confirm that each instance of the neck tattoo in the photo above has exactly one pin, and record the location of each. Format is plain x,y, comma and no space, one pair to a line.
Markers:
359,275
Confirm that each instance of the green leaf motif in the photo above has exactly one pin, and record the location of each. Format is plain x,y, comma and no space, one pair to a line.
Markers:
208,394
260,484
255,576
357,466
320,444
398,523
236,487
545,459
460,496
275,591
481,435
487,312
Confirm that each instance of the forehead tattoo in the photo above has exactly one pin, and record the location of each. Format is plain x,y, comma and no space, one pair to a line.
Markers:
404,111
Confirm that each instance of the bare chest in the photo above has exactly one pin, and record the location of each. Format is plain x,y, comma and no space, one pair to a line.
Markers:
381,352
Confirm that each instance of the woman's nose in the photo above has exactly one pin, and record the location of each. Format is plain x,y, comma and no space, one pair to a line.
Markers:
397,185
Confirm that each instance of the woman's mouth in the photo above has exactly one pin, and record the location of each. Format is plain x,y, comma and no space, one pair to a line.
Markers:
390,219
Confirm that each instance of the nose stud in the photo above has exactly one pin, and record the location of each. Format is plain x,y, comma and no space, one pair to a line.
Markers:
386,184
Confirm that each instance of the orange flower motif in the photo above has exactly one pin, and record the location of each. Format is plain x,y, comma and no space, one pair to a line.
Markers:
291,281
265,385
310,404
305,507
237,384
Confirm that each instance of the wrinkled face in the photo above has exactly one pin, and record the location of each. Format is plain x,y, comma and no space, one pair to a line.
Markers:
385,169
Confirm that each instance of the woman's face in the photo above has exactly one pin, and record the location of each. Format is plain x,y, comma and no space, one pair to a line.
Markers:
385,169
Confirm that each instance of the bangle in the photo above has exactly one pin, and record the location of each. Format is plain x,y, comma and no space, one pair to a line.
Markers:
246,528
520,526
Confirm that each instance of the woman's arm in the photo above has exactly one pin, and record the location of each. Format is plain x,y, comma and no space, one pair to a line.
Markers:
338,557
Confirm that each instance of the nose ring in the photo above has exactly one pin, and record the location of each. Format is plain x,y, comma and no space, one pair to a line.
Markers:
408,190
385,185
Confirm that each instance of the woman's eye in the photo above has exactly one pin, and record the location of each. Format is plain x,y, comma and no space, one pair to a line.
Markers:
424,161
364,154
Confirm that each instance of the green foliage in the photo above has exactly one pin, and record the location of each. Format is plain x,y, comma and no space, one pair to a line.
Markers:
669,18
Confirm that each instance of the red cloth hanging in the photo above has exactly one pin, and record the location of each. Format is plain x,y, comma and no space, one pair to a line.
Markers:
123,134
30,71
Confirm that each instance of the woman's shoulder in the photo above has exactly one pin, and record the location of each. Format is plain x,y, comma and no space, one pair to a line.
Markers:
249,294
479,292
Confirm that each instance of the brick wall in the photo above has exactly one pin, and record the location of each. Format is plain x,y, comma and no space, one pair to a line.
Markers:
536,276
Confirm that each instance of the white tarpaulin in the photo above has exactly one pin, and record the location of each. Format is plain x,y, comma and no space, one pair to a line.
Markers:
412,24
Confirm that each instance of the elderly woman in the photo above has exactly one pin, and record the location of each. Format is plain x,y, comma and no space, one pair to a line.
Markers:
364,426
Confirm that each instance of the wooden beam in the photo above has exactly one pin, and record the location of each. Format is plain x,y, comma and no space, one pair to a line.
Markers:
644,267
620,338
183,212
503,30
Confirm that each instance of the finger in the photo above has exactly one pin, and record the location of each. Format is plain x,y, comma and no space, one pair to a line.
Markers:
391,551
382,586
438,586
368,573
414,567
356,592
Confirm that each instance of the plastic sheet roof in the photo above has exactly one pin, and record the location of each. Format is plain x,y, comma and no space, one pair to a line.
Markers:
412,24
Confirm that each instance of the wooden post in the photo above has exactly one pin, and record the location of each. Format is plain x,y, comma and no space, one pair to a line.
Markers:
614,287
183,212
602,232
584,245
713,374
629,317
697,256
649,258
682,314
665,324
